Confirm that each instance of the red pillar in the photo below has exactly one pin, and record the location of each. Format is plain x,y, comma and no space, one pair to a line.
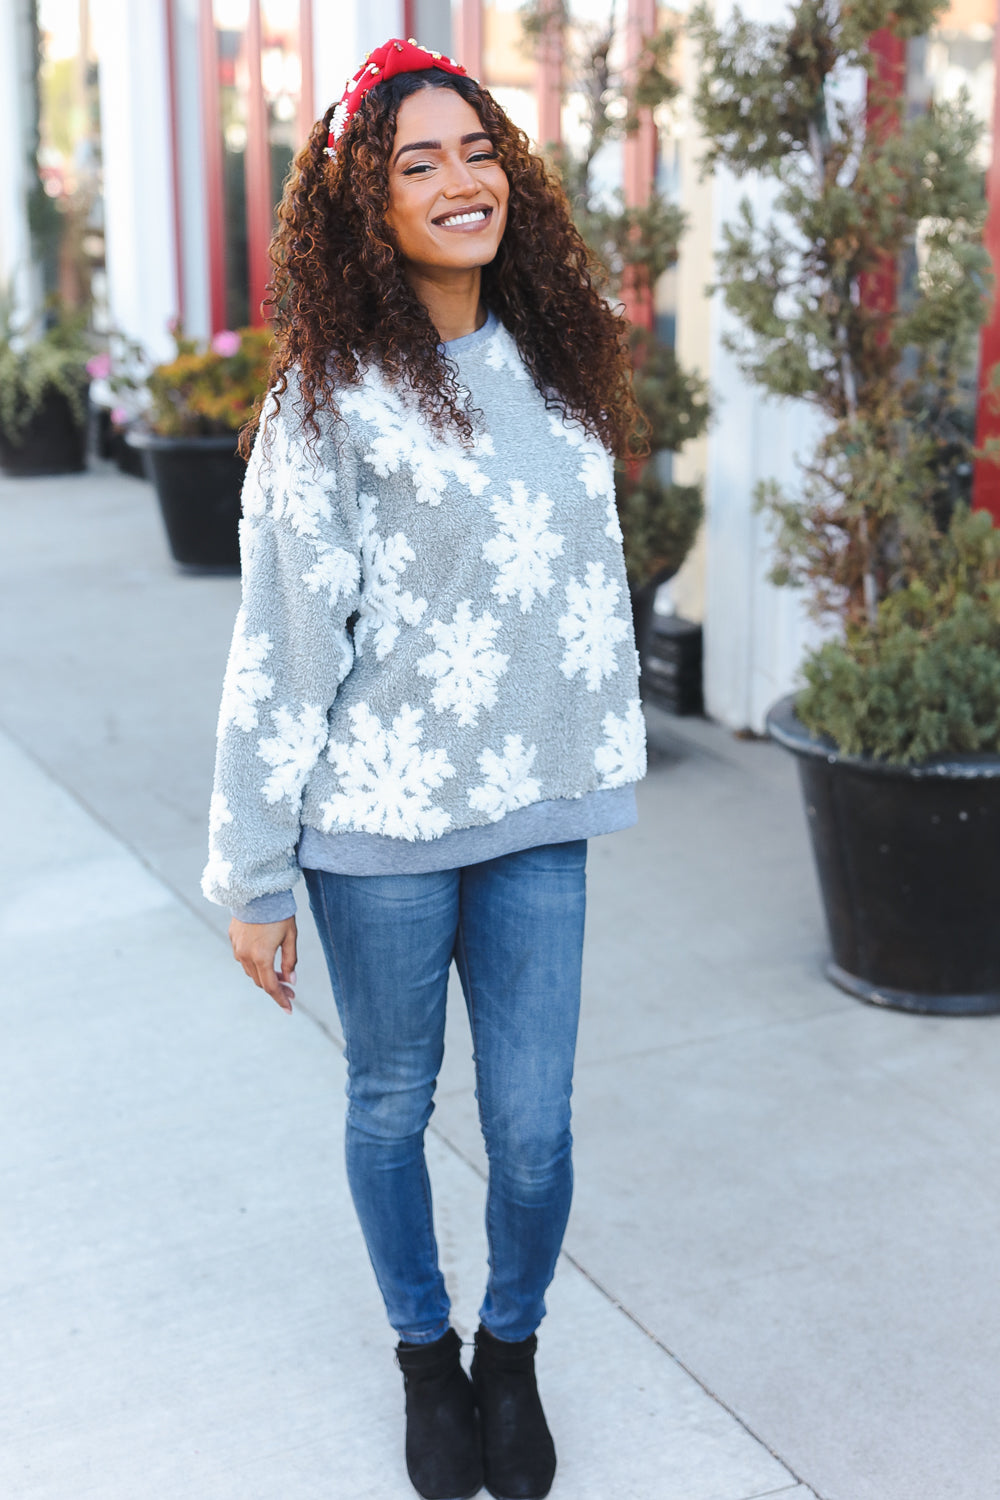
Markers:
550,83
640,157
307,104
175,157
212,135
878,288
986,476
257,172
469,43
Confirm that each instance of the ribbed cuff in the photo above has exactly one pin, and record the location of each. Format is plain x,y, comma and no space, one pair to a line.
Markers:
274,907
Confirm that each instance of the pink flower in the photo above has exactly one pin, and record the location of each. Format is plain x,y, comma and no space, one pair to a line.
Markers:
99,366
119,416
226,342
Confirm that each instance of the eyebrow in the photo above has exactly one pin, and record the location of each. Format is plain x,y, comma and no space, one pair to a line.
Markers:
477,135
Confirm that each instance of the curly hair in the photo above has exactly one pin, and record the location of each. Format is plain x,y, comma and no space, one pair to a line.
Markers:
341,301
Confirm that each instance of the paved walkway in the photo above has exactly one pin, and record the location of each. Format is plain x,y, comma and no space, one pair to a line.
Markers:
780,1273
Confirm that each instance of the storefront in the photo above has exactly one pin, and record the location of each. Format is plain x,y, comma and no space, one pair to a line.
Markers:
202,104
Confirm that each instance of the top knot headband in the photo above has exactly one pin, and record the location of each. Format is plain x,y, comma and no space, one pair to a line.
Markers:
392,57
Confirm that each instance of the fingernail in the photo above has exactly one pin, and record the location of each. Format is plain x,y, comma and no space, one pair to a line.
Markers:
292,978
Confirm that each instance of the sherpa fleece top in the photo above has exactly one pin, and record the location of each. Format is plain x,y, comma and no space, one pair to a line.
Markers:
431,636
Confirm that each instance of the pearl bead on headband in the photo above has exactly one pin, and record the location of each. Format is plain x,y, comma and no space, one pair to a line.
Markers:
394,56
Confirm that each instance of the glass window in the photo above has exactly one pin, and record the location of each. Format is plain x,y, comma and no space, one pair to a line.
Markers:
509,70
259,64
231,25
281,81
66,212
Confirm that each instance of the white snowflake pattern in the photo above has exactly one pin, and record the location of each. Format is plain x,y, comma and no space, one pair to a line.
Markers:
383,602
403,437
523,548
250,540
590,628
502,354
597,470
292,751
245,685
507,783
465,664
622,757
253,497
215,878
302,486
334,569
218,812
386,779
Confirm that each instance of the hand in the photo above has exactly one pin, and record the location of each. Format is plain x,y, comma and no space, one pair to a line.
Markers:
255,946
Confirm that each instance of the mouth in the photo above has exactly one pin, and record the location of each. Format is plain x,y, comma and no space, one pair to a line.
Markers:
465,218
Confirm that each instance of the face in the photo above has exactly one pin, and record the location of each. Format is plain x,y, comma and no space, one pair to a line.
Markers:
447,190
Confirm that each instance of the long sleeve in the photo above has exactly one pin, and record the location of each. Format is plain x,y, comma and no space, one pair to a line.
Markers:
291,650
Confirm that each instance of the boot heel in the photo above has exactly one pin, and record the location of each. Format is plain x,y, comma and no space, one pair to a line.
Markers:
519,1456
443,1456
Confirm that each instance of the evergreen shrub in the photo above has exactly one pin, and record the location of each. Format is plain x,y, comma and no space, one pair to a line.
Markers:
39,361
926,681
879,533
635,244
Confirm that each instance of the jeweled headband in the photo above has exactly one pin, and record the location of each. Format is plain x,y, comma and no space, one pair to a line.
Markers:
392,57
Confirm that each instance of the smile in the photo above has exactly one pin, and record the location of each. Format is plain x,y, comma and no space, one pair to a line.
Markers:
465,218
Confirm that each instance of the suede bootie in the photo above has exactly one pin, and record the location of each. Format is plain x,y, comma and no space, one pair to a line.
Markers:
519,1456
442,1432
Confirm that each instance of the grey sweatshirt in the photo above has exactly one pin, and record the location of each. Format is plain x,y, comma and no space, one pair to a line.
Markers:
490,674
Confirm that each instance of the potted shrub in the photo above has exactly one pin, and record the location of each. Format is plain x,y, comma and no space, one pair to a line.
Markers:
897,731
196,403
659,517
43,393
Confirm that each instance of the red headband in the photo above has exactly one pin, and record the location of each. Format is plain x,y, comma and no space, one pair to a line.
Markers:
392,57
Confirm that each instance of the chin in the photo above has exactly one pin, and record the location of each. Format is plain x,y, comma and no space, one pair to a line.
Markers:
482,256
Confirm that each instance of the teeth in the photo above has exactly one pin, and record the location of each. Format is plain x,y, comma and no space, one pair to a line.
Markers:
475,217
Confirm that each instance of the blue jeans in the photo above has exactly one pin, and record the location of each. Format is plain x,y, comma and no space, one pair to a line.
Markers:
514,927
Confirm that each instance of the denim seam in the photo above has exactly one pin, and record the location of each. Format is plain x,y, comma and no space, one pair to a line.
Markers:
433,1256
342,1008
465,973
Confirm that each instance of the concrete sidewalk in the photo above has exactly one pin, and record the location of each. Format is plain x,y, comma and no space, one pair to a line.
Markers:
779,1276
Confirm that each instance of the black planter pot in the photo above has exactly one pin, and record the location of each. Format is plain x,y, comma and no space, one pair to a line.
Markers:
908,859
52,442
198,482
643,598
128,460
109,442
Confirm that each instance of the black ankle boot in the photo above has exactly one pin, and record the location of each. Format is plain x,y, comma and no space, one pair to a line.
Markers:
442,1436
519,1457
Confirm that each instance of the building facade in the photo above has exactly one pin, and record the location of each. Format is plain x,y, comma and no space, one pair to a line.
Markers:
202,104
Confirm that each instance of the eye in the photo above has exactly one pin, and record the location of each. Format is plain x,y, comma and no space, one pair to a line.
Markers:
484,156
418,168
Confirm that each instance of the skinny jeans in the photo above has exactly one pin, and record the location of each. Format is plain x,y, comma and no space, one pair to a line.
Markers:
514,928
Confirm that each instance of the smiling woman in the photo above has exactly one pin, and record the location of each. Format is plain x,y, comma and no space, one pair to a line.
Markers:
342,294
431,699
448,198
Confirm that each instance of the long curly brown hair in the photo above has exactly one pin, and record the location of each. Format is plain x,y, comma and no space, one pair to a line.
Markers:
341,301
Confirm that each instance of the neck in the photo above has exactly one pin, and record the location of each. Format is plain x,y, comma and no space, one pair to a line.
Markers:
452,299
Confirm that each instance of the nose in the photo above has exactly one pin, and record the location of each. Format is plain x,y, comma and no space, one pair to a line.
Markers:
460,181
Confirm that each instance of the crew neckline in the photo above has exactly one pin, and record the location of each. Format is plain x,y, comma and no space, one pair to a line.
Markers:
469,340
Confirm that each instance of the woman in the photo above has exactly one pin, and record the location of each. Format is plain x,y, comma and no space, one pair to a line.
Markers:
431,699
